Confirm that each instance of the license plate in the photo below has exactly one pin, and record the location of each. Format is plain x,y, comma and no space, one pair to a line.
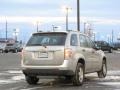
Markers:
42,55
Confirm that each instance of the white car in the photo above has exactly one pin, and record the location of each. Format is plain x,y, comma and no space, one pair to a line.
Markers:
2,47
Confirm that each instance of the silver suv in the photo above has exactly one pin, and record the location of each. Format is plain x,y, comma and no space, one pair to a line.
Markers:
69,54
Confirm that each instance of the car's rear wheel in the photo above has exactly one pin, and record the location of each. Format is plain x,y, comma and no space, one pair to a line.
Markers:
78,78
103,72
32,80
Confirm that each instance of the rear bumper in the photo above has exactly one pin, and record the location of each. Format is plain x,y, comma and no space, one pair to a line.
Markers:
59,70
47,72
64,66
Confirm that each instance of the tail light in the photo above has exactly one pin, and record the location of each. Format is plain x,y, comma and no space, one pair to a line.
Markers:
68,53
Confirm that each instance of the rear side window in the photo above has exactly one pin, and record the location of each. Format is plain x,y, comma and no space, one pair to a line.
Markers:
83,41
74,40
90,43
51,39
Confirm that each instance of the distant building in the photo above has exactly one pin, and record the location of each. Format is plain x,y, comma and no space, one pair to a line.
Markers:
9,40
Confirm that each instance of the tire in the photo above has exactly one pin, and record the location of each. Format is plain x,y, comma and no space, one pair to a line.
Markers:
32,80
15,51
103,72
6,51
78,78
111,50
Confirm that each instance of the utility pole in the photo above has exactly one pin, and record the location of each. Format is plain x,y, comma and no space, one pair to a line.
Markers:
78,16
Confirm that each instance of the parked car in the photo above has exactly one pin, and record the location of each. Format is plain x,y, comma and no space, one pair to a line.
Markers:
2,47
104,46
69,54
114,47
13,47
117,45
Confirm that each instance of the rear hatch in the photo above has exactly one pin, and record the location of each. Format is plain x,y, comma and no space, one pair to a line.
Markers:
45,49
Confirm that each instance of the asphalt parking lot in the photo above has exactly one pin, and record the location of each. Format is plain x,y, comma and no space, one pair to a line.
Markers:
11,77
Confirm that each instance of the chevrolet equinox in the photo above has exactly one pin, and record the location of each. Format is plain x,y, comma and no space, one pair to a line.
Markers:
69,54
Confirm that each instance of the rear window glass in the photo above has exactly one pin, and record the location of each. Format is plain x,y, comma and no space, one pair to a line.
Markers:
50,39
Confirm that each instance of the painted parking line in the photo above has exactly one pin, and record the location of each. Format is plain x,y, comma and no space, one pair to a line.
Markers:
116,51
11,76
14,71
110,83
32,88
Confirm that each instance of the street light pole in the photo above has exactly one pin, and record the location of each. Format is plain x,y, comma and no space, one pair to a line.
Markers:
78,16
16,32
67,18
6,29
85,28
15,36
67,12
94,35
112,36
66,9
37,26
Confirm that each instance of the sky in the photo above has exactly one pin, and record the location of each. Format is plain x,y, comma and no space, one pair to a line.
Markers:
102,15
